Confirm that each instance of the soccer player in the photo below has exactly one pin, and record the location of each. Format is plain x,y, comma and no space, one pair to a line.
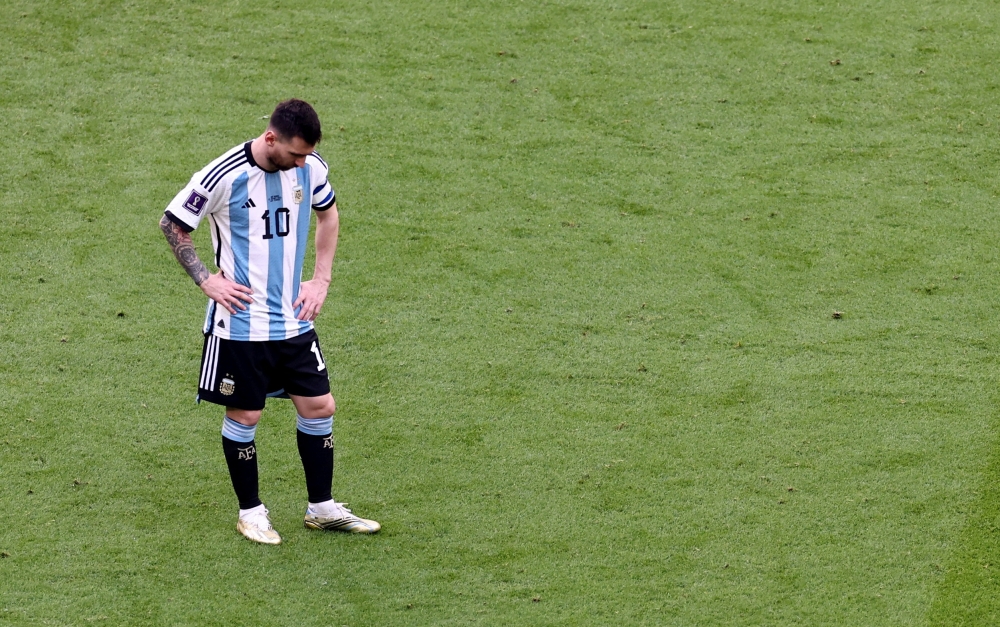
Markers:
259,336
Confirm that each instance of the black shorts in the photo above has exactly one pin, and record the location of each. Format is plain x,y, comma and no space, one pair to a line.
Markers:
243,374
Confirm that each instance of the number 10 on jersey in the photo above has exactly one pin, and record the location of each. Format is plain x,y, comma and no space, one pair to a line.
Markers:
281,222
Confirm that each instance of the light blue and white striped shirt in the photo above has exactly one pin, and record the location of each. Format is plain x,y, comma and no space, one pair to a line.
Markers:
260,230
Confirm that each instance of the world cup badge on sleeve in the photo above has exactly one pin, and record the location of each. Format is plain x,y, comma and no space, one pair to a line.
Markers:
297,192
195,203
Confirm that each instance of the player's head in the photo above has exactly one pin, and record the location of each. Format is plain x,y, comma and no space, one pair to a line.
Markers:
292,133
296,118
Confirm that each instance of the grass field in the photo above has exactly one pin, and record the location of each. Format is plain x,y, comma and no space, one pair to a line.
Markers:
644,313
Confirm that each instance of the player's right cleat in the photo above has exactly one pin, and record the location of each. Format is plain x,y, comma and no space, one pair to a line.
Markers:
256,526
336,517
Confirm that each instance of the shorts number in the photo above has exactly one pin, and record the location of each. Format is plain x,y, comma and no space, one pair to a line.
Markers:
320,366
281,221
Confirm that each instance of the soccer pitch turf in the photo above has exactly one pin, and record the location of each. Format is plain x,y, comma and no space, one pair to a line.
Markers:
643,313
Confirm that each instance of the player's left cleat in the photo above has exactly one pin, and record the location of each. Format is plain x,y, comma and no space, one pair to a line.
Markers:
336,517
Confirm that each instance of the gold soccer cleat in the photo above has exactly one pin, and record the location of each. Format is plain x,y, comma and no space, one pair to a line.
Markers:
337,517
256,526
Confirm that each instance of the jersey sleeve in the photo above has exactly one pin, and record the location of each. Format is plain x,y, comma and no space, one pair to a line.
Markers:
323,195
195,201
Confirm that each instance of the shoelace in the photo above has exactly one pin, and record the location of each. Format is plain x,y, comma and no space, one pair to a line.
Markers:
339,510
259,519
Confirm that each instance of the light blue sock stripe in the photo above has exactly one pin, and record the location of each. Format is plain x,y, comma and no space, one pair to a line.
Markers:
236,432
315,426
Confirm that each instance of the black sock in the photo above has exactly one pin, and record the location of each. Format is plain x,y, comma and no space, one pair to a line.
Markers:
241,457
316,452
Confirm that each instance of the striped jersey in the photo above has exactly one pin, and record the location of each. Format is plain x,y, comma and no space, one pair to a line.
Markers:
260,229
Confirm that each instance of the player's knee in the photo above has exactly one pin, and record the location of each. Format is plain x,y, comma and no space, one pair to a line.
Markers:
248,417
319,407
327,408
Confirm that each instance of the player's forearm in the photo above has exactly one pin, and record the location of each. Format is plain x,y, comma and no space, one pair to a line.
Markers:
180,242
327,232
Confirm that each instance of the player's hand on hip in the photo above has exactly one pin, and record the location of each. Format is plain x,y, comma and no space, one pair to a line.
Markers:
229,294
312,295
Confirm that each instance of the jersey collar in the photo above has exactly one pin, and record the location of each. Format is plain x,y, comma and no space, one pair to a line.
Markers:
249,154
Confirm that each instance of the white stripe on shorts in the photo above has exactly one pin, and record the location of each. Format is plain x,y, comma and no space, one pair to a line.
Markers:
210,364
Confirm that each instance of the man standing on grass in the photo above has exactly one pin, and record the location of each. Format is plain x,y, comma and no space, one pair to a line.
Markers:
259,335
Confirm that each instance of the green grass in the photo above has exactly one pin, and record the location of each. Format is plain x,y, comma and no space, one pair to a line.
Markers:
581,332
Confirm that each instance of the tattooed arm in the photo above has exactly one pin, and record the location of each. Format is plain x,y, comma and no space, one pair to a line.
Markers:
180,242
216,286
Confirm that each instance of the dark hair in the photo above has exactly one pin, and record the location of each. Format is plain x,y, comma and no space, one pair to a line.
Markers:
296,118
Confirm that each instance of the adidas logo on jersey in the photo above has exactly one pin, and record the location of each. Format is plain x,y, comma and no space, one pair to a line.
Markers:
249,204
